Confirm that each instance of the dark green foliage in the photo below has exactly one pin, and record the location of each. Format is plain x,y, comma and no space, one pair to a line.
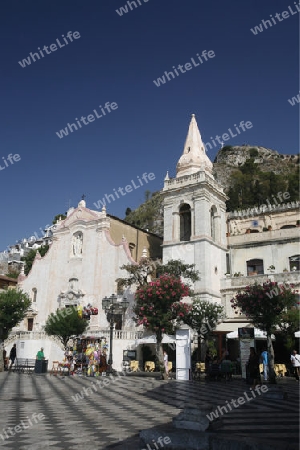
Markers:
226,148
138,274
65,324
31,255
249,186
56,218
253,152
146,214
203,318
12,272
178,269
13,307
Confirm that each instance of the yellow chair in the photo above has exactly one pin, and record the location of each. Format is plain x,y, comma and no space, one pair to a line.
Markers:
200,367
170,365
149,366
134,366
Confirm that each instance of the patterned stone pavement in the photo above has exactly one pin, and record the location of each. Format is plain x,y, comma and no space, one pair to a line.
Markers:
76,413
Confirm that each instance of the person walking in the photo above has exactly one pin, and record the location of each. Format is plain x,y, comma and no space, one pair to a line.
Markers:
295,360
166,363
253,363
264,357
13,355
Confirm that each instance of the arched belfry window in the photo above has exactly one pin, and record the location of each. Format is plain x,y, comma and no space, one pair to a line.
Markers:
213,215
185,222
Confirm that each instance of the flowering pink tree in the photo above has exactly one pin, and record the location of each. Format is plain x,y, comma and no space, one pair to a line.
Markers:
265,306
159,309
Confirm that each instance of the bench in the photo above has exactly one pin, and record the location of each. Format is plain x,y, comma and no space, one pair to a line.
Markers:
23,365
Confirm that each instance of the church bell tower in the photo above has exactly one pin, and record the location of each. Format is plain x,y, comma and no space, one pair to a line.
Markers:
194,216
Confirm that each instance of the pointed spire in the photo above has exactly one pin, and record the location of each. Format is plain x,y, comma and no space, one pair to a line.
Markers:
194,157
167,176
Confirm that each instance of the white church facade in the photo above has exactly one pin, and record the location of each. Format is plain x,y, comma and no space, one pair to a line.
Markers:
89,247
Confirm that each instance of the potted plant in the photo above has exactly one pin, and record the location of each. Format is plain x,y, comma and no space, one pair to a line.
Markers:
271,268
285,270
238,274
227,275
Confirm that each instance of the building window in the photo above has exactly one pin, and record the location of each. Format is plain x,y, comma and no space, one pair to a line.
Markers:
185,222
294,262
255,267
228,270
131,247
29,324
34,294
285,227
213,212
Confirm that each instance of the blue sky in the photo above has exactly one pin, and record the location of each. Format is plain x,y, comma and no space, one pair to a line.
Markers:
115,59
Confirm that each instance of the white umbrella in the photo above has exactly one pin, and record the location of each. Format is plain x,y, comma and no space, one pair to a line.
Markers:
152,339
258,334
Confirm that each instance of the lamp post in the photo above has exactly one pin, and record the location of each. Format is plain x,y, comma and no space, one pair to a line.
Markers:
113,307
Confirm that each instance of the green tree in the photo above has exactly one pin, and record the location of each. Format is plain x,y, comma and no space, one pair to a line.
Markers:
14,304
159,309
179,269
203,318
58,217
289,325
140,274
65,324
265,305
29,258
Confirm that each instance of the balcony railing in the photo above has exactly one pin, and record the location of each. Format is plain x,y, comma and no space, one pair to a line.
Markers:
281,277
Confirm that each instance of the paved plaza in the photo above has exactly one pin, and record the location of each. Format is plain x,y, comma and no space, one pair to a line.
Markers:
76,413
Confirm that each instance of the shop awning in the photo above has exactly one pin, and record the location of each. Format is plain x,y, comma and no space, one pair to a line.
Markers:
152,339
258,334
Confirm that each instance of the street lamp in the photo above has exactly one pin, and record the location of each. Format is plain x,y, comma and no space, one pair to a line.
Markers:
113,307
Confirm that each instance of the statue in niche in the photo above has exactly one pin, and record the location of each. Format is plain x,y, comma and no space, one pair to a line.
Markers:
77,245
